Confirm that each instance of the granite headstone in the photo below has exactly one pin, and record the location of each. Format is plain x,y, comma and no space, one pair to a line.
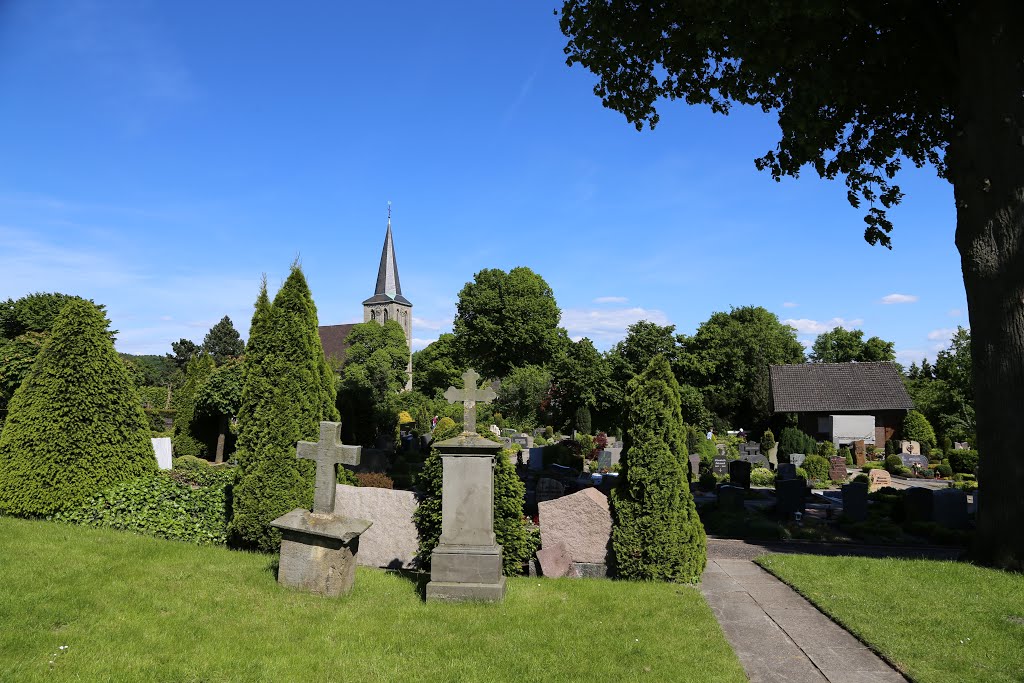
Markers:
739,473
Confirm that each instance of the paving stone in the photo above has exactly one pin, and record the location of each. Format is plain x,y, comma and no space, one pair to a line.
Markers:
846,659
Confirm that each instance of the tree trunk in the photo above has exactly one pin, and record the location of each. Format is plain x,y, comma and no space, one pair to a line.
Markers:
986,166
221,436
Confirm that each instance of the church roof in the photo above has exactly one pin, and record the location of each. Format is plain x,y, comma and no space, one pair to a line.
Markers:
332,338
389,287
837,387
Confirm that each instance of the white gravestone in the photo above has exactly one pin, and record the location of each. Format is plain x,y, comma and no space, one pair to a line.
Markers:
162,449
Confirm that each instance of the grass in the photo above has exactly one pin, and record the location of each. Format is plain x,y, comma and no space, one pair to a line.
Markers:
134,608
936,621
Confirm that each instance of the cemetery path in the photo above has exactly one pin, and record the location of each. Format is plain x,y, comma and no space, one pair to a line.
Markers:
780,636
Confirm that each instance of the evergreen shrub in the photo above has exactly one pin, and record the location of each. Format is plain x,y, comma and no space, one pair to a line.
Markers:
893,464
516,535
656,533
762,476
917,428
826,449
189,462
847,455
944,470
75,427
816,466
767,442
963,461
582,421
427,516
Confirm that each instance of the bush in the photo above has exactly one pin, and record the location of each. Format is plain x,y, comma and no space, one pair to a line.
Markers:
944,470
75,427
190,462
847,455
762,476
767,442
792,440
375,480
917,428
656,533
428,513
891,447
963,461
802,473
861,478
816,466
826,449
516,535
171,504
893,464
708,480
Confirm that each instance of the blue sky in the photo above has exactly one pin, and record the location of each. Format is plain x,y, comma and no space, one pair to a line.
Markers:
160,157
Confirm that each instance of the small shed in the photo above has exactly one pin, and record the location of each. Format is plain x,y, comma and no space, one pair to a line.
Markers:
819,390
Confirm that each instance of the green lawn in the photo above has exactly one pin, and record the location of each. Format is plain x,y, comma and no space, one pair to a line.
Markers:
134,608
937,621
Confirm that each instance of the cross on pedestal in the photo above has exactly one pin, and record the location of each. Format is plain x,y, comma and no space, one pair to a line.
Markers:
469,396
327,453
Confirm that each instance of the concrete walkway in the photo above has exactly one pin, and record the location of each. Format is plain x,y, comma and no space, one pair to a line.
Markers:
779,636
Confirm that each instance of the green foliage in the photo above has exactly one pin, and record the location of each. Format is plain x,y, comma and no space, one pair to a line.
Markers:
656,533
221,393
840,345
816,467
507,320
893,464
826,449
438,366
965,461
917,428
189,428
518,539
582,421
374,373
184,351
560,454
581,379
944,470
792,440
153,397
521,393
190,462
801,473
223,341
762,476
427,516
728,358
707,480
287,390
847,455
767,441
154,370
177,505
75,425
890,447
36,312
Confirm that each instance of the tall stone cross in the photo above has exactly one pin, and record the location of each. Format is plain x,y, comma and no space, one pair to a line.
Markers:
469,396
327,453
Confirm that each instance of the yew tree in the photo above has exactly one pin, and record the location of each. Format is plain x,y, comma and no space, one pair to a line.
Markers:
861,89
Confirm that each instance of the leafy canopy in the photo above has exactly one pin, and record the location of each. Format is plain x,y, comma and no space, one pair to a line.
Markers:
840,345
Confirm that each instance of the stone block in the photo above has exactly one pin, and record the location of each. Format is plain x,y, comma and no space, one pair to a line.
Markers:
466,592
786,471
589,570
917,504
949,508
454,564
581,522
391,541
318,552
789,495
555,561
730,498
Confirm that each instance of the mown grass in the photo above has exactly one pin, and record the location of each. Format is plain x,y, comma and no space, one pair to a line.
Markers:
936,621
131,608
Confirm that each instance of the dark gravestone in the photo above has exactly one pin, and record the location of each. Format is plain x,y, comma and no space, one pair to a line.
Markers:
860,454
949,508
912,461
837,468
917,504
695,465
755,459
789,495
730,498
855,501
797,458
720,465
786,471
739,473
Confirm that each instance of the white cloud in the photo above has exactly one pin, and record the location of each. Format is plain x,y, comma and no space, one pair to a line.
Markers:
606,326
955,313
943,334
808,326
418,343
789,304
610,300
166,318
899,298
427,324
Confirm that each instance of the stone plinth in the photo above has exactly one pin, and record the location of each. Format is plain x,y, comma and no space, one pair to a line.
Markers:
466,565
318,551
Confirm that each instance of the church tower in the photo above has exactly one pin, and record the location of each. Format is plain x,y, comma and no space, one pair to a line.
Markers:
387,302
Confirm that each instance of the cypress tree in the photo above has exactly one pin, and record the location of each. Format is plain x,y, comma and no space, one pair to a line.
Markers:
76,424
656,533
287,390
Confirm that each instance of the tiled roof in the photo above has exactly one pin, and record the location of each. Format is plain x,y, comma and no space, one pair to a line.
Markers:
838,387
332,338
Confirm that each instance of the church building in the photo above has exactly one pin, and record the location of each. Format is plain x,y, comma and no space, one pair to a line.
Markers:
387,303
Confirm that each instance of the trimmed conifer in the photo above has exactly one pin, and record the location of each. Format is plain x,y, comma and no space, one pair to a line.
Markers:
518,539
656,533
287,391
428,513
76,424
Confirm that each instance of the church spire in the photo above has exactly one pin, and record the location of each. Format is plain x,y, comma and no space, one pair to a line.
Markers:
389,287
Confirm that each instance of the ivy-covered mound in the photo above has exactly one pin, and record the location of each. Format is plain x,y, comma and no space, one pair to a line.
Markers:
75,426
656,533
288,388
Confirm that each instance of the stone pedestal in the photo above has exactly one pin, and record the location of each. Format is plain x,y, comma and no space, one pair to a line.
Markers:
466,565
318,551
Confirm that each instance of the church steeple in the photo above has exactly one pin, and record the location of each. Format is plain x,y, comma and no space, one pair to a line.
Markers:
387,302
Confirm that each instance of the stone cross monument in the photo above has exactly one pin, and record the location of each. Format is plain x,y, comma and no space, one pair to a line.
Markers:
466,564
318,548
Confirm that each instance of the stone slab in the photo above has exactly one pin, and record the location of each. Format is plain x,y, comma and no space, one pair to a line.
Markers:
581,522
336,527
391,542
555,561
466,592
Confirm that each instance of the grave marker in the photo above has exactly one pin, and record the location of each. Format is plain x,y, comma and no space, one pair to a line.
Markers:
789,496
877,479
855,501
739,473
786,471
860,455
837,468
720,465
